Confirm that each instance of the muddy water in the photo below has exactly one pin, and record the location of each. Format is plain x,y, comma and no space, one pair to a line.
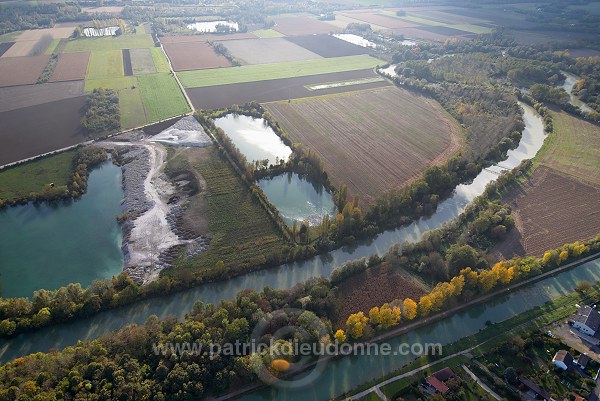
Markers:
284,276
50,246
568,86
254,138
297,198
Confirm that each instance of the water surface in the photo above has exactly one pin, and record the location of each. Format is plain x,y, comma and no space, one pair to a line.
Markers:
568,85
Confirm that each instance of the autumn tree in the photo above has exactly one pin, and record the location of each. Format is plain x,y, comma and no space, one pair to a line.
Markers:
410,309
356,324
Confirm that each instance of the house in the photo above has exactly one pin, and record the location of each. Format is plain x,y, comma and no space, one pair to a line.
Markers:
562,359
438,380
532,388
587,320
582,361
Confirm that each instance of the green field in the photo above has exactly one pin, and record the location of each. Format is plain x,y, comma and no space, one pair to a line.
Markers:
105,64
253,73
10,37
268,33
242,232
160,60
161,96
52,46
131,107
22,180
573,148
116,83
109,43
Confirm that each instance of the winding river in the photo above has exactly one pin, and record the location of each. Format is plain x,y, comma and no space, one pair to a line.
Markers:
283,276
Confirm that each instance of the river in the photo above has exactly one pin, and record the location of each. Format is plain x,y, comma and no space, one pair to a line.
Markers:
570,82
51,245
283,276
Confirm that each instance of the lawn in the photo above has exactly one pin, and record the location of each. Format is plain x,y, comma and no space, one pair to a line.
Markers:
109,43
242,233
160,60
573,148
132,108
161,96
253,73
268,33
105,64
24,179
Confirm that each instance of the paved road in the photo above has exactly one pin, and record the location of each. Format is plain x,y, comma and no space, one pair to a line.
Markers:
481,384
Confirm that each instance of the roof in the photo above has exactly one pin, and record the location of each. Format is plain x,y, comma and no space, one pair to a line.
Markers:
589,317
437,384
583,359
563,356
444,374
534,387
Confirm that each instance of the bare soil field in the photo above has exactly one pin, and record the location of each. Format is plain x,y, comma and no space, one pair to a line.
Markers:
577,53
448,17
4,47
373,141
213,97
205,37
545,37
16,97
70,67
194,56
550,210
374,287
28,48
141,61
127,68
30,131
55,33
327,45
382,20
267,51
103,9
21,70
293,26
445,30
418,33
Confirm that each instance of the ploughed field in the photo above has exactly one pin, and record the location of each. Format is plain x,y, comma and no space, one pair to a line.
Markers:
550,210
266,51
373,141
194,55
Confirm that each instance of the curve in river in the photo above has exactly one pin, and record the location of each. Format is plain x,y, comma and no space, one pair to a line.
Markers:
284,276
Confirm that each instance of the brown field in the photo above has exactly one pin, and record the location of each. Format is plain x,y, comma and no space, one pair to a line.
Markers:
267,51
445,30
448,17
36,34
545,37
382,20
104,9
21,70
70,67
375,287
327,45
30,131
292,26
16,97
5,46
205,37
550,210
194,56
373,141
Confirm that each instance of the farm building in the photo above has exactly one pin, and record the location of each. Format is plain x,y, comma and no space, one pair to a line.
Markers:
562,359
587,320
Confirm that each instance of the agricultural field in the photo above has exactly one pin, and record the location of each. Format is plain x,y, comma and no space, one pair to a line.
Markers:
301,25
127,68
15,97
33,130
109,43
161,97
267,51
142,61
205,37
328,46
194,56
161,64
21,70
380,19
373,141
19,181
35,42
131,108
70,67
376,286
240,228
105,64
214,97
268,33
548,215
253,73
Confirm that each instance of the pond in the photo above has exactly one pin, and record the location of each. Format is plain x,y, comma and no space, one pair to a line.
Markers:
211,26
284,276
297,198
51,245
254,138
355,40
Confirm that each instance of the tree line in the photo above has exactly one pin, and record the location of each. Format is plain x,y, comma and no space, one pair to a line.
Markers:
101,112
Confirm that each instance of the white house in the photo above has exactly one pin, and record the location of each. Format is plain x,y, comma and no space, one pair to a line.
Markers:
587,321
562,360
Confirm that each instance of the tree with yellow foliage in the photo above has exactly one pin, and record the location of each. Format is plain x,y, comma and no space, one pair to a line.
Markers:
564,255
410,309
356,324
424,306
471,279
340,336
487,280
501,270
458,283
389,316
375,316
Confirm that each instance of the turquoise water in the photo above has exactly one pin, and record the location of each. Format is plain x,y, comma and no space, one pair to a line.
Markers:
49,246
297,198
254,138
